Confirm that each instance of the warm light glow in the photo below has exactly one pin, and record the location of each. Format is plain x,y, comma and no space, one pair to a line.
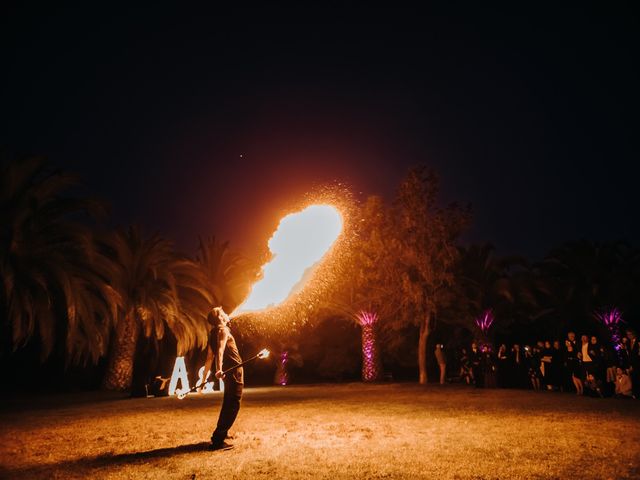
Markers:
299,243
263,353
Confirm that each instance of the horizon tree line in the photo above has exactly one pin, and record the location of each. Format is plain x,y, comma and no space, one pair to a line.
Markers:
67,280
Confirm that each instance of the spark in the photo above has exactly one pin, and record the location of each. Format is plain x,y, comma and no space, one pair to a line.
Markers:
312,293
301,240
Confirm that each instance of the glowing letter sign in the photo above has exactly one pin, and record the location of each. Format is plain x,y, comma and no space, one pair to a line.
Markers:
180,373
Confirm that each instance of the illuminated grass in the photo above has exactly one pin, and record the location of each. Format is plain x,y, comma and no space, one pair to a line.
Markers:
344,431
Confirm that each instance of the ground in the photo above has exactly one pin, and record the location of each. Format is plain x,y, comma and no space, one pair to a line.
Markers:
325,431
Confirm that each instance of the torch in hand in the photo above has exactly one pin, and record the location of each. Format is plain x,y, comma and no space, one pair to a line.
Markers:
261,354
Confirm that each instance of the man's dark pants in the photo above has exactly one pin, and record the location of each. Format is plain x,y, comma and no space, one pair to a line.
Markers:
229,410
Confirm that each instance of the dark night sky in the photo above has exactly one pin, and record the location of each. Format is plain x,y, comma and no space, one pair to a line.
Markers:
209,122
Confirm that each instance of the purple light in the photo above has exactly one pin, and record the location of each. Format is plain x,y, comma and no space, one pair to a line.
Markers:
282,375
612,319
367,318
370,358
484,321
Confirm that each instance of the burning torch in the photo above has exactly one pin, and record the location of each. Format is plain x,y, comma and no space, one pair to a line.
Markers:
264,353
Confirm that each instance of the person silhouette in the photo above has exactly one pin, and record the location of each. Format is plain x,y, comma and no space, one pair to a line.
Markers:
222,350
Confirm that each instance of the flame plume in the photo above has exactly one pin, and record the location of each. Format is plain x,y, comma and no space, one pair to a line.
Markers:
301,240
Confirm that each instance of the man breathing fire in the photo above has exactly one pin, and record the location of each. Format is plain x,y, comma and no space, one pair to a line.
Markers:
222,350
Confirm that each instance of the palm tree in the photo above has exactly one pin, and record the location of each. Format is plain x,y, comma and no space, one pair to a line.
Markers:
228,274
485,282
159,289
579,278
508,286
49,284
365,293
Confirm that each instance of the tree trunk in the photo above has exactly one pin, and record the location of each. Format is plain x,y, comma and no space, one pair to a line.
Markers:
371,366
422,349
120,366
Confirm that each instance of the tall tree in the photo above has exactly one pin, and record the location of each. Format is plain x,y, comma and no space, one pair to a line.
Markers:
425,236
49,281
159,289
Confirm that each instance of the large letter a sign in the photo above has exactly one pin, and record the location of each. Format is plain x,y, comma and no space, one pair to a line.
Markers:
179,373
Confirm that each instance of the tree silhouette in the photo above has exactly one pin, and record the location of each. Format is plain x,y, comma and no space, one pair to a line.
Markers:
50,284
425,235
579,278
159,289
228,274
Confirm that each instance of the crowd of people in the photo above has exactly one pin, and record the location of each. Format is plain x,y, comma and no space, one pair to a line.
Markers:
585,366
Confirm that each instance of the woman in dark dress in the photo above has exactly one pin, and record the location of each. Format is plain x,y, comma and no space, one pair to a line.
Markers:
573,367
598,362
532,356
519,369
488,367
556,366
546,356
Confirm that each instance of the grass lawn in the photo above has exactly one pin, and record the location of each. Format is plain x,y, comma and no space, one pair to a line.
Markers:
332,431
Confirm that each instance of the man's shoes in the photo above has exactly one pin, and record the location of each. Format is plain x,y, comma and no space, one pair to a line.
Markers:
220,446
230,436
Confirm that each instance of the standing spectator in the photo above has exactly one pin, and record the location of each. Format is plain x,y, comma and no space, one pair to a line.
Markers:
546,356
474,358
519,367
585,358
596,357
557,361
573,367
503,367
623,384
623,354
488,367
610,361
632,341
532,357
442,362
566,375
634,362
465,367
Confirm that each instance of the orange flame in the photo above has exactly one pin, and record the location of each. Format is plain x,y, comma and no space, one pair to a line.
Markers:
299,243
